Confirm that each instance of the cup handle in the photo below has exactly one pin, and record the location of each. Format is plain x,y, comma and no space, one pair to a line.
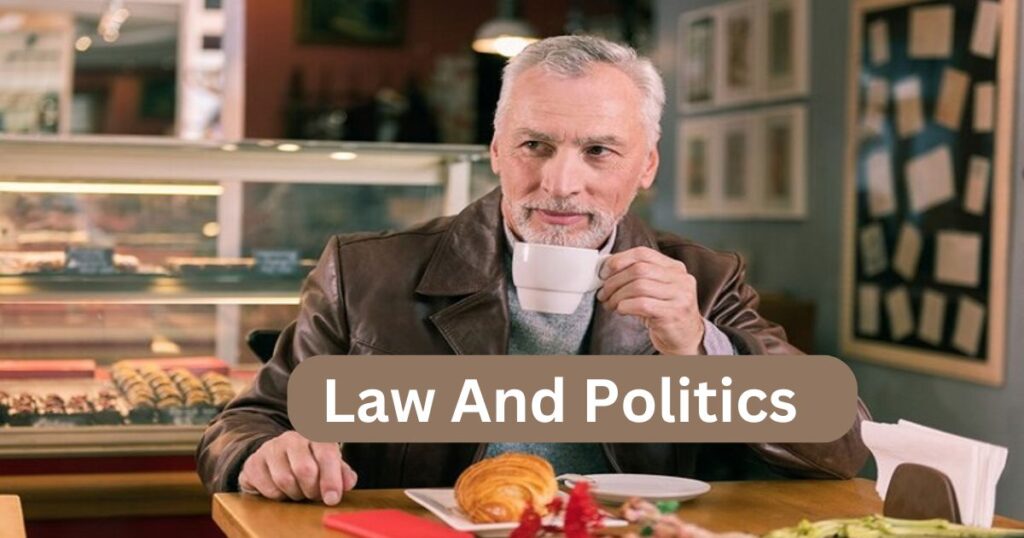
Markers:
597,273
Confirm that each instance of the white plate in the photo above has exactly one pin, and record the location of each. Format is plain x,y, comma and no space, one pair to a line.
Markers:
622,487
441,503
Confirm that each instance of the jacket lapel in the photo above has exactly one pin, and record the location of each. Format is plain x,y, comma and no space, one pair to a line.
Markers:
611,333
467,267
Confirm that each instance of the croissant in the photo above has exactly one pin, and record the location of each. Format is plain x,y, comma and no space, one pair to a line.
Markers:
499,489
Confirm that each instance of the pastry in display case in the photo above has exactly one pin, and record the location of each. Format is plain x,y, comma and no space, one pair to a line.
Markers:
133,269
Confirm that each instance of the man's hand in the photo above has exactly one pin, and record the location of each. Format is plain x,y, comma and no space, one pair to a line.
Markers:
290,466
645,283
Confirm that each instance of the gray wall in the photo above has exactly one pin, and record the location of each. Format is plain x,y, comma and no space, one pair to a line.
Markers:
803,258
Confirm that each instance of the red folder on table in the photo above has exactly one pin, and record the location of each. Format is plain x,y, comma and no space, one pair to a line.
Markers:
389,523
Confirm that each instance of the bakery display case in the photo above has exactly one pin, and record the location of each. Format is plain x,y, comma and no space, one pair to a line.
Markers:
132,270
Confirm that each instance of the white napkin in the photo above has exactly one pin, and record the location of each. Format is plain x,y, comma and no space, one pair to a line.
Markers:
972,466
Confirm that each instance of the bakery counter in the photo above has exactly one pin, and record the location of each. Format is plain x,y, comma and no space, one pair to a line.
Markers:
216,288
135,408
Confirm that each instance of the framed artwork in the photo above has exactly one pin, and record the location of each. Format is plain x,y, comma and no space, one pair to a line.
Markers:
784,186
359,22
739,69
738,138
696,73
741,52
696,188
785,48
928,185
746,165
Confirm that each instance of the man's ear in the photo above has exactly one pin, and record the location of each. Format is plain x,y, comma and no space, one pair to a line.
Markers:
494,155
650,168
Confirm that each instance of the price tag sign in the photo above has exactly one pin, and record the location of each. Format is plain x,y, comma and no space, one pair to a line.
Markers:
89,261
276,262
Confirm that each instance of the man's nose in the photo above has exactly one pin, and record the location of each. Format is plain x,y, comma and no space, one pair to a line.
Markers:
563,174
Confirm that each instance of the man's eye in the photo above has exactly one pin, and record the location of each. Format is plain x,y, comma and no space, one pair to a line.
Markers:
598,151
536,147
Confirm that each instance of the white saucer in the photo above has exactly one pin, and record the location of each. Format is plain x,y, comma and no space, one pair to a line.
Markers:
622,487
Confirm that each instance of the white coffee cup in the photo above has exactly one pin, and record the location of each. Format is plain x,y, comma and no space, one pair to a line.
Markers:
553,279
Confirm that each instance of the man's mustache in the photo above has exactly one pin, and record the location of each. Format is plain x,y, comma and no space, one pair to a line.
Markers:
559,206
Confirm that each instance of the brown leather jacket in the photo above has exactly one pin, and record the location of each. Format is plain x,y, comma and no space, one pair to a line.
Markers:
440,289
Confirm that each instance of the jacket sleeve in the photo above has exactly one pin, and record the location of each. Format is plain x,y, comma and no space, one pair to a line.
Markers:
260,413
734,312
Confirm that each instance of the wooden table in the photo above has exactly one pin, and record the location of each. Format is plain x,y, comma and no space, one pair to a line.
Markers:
12,524
755,507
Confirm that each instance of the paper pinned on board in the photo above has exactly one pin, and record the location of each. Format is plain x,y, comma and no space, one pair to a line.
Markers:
976,192
949,109
874,259
958,258
908,251
984,111
875,106
909,110
931,32
901,317
881,199
933,317
879,38
970,322
930,179
869,298
985,34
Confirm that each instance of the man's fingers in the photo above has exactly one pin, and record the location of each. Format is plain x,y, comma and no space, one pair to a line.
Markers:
622,260
281,474
331,483
350,476
256,476
643,307
637,271
304,468
641,288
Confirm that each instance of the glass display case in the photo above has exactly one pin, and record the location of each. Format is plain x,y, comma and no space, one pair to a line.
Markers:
130,279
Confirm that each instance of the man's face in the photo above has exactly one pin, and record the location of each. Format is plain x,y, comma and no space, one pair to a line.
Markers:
571,154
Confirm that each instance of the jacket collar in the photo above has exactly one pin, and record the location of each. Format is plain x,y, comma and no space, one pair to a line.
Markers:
469,256
468,262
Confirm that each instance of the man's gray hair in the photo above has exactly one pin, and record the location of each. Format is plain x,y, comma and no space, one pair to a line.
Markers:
572,55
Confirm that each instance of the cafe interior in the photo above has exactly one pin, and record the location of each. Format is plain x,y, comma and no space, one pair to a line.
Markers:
170,171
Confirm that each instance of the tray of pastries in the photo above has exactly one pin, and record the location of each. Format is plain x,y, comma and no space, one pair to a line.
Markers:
138,393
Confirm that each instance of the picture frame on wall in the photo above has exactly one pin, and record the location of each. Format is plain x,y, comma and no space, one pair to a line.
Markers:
783,190
352,22
742,52
743,165
696,73
696,185
927,192
786,54
738,67
739,143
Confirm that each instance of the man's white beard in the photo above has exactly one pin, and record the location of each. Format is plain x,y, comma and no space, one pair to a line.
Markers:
599,226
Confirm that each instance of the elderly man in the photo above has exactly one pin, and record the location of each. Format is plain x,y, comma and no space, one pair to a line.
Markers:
576,133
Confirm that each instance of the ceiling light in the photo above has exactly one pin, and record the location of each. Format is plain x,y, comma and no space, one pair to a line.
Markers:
83,43
505,34
343,155
11,22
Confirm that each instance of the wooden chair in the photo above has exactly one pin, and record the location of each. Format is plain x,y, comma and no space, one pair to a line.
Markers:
920,492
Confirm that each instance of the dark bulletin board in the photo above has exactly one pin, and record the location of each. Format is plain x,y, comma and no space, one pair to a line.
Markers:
913,336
